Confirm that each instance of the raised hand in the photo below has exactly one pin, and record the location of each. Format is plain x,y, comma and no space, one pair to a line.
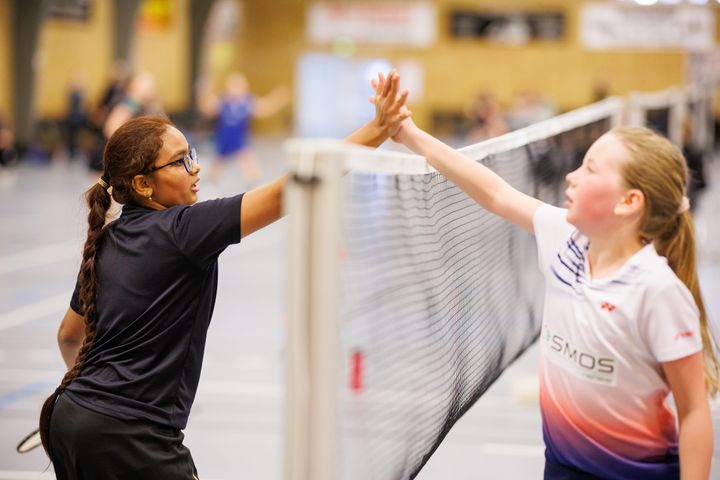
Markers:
390,107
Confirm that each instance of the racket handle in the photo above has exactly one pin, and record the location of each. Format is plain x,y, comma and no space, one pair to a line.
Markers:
30,442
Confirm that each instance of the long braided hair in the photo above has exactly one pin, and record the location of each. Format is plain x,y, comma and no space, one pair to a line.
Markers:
132,149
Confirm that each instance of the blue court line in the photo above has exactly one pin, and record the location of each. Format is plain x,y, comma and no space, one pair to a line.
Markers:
7,399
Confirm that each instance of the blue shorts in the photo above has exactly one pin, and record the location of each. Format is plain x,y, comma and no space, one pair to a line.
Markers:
554,470
557,471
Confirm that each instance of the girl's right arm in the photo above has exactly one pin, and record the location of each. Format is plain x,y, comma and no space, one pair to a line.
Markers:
262,206
486,187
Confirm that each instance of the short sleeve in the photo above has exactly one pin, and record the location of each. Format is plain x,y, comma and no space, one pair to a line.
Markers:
551,231
75,300
202,231
671,325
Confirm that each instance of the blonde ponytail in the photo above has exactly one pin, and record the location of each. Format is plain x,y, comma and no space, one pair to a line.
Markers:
658,169
679,250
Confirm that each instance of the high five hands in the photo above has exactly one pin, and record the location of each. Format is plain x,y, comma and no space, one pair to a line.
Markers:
390,106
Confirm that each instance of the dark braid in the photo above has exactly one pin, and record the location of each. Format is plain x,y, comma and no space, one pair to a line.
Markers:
129,152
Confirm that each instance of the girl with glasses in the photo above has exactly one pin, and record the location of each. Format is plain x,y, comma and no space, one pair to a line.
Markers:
144,298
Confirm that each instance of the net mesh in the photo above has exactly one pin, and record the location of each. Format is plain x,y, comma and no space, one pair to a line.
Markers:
438,298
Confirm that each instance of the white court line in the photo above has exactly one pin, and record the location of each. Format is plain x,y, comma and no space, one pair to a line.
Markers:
512,449
29,375
39,256
56,304
276,391
57,252
29,475
25,475
244,389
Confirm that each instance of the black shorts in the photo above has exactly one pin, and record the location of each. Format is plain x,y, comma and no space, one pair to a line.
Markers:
89,445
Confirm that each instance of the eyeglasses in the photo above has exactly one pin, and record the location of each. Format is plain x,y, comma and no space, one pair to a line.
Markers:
188,161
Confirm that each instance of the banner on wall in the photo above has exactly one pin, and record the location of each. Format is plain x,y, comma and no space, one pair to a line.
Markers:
605,26
406,24
75,10
156,14
510,28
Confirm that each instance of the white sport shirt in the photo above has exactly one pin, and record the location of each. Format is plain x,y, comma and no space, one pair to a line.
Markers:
603,392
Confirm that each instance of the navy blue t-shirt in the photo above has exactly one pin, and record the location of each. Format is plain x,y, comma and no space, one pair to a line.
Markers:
157,282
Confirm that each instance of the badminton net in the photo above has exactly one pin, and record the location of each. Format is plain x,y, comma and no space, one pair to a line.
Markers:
407,299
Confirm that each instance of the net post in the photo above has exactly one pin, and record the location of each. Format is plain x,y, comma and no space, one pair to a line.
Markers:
636,114
701,116
312,202
674,99
678,110
617,118
711,102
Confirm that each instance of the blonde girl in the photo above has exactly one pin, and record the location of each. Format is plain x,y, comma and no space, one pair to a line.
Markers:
624,323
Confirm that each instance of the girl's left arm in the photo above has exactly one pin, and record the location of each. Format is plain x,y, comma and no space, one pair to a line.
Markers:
686,377
70,336
272,103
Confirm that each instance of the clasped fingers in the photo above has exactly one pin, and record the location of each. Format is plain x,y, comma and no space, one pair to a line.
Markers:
390,107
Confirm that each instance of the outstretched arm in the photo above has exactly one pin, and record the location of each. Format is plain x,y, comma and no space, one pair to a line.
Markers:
485,186
263,205
272,102
686,377
207,102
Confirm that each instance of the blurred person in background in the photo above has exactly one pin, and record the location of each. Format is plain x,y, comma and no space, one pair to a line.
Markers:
112,94
529,108
600,89
118,106
233,111
486,118
694,156
140,99
7,153
76,116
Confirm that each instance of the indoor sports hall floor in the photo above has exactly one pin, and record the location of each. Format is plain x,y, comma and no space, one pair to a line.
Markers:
235,429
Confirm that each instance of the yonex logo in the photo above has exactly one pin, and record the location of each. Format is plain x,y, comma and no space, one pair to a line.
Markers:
607,306
684,334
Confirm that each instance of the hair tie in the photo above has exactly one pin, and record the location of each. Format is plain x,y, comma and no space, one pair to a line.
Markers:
684,205
102,181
